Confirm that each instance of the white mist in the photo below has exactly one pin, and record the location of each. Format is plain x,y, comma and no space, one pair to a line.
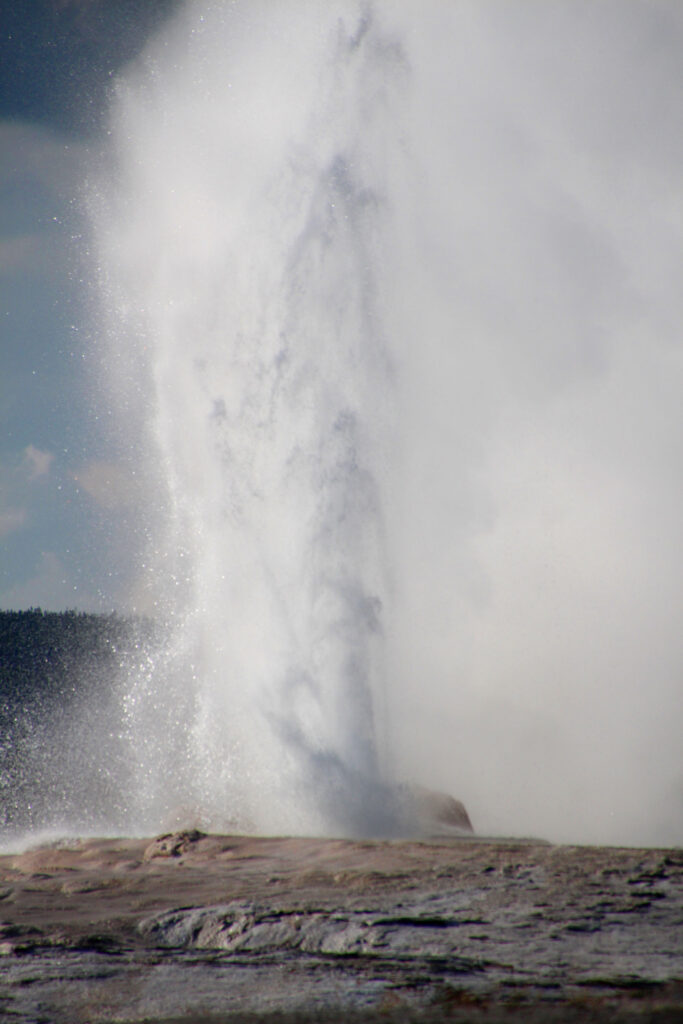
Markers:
395,334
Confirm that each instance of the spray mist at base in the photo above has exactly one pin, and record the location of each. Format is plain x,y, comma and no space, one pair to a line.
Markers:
402,389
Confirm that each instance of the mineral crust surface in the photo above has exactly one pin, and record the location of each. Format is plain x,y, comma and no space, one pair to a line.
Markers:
190,927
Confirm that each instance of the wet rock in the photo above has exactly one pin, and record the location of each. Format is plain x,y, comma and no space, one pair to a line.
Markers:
299,929
173,844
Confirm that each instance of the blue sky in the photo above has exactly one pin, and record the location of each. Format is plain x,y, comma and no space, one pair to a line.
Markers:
57,60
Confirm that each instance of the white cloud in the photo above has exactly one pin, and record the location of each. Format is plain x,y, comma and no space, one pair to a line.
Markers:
21,253
54,161
11,519
36,462
46,588
41,171
110,484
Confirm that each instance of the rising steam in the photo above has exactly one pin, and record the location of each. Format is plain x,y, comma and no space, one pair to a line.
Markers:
395,336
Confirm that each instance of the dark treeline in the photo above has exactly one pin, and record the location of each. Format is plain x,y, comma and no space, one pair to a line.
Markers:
47,655
63,681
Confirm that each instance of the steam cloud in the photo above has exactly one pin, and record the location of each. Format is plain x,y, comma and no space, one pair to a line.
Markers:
396,327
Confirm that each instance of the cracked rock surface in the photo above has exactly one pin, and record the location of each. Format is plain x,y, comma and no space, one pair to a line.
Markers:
190,927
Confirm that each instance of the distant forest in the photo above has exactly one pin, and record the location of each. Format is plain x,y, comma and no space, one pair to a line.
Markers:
61,675
47,655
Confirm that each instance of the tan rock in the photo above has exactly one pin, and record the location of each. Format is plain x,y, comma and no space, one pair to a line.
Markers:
440,808
173,844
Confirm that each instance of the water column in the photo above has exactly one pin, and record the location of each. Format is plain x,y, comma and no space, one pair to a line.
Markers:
246,237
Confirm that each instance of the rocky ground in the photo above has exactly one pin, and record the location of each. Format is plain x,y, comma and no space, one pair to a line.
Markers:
193,927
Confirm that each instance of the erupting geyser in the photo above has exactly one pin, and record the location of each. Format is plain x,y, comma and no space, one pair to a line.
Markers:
391,331
245,244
